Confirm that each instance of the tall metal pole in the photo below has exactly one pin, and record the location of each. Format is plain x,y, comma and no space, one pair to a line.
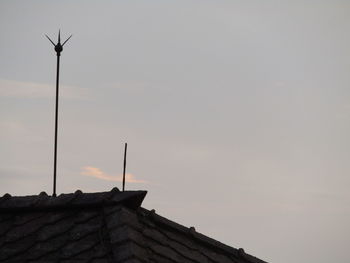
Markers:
58,49
56,124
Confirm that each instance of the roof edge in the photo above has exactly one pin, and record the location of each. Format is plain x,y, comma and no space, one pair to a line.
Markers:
208,241
77,200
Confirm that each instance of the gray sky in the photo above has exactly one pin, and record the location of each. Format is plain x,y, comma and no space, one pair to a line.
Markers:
237,113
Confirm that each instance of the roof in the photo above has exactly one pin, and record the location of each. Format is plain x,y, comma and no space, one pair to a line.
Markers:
101,227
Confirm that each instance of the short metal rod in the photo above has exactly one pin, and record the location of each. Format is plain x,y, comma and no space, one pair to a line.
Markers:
124,166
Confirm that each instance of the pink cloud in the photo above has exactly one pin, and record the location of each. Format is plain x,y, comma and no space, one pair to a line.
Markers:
97,173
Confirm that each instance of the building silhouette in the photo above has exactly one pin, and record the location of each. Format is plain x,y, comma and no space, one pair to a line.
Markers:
102,227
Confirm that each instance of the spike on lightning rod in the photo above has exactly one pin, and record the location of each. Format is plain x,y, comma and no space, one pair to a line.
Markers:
124,166
58,49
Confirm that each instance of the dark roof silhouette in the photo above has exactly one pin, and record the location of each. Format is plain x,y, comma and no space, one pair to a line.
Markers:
101,227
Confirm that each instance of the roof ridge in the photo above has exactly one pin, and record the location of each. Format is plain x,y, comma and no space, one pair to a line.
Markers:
191,231
77,200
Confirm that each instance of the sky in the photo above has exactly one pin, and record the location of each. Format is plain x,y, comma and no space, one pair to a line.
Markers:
236,114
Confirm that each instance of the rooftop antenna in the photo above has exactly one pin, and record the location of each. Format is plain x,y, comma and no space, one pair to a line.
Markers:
125,149
58,49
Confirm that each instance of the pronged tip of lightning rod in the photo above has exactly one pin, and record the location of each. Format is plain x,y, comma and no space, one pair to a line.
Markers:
58,46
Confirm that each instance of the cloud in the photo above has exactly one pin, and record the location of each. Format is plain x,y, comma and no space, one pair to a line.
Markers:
97,173
11,126
22,89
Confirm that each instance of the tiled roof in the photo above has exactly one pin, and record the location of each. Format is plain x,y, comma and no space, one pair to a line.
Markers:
101,227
